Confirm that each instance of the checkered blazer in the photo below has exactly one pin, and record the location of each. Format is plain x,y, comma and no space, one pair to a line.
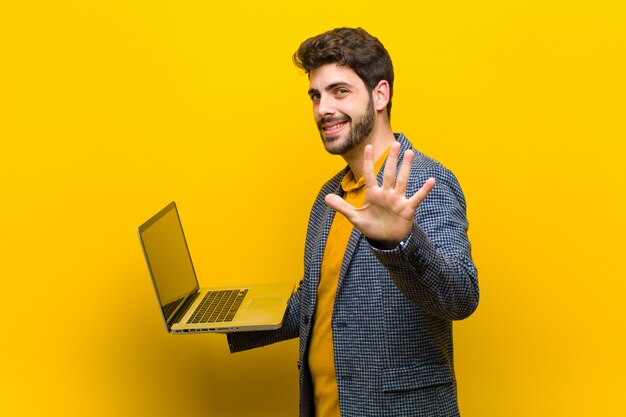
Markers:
392,319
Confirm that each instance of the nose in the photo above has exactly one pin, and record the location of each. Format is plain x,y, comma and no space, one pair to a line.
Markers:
325,106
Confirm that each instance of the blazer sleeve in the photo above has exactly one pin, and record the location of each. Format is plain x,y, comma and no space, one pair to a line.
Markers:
240,341
433,268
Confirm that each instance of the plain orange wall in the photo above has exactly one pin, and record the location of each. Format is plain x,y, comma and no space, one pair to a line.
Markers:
111,109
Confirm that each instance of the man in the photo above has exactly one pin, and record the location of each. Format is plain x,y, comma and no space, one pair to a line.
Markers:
387,259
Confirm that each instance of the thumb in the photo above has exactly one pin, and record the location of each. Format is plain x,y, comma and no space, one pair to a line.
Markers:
339,204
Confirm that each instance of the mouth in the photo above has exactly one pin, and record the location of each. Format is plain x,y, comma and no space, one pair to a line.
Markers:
332,128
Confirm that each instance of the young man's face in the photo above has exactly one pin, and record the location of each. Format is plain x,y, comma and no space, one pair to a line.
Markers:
342,107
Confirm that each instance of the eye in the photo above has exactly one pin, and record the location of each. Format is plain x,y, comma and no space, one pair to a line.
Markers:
314,97
342,91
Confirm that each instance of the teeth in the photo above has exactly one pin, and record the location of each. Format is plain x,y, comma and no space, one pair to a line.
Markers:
334,127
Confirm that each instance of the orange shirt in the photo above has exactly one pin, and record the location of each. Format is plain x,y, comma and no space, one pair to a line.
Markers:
321,351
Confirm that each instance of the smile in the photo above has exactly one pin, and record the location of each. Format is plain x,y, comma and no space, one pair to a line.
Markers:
331,129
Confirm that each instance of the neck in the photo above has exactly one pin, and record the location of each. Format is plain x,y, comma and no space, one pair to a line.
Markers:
380,138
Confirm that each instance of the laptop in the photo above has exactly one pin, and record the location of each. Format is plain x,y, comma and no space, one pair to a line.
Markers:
186,307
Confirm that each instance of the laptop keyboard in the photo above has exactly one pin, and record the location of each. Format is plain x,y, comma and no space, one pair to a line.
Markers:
218,306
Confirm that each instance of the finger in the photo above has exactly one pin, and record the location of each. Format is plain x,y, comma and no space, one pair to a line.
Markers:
339,204
421,194
389,174
368,167
405,170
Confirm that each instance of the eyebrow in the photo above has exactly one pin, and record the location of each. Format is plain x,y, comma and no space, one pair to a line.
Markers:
331,87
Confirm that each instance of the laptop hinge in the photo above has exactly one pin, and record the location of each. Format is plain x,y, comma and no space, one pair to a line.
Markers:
183,309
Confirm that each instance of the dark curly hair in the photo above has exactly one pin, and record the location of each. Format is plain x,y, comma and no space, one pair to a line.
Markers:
353,48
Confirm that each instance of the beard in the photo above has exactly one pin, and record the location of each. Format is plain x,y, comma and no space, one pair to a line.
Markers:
359,131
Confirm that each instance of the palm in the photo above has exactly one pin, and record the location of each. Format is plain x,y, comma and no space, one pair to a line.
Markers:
387,214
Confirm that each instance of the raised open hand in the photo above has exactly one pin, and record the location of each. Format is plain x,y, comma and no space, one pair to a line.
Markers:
387,214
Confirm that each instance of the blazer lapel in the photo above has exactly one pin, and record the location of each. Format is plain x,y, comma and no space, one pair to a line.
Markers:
353,242
322,235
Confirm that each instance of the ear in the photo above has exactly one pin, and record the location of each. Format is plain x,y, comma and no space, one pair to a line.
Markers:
380,95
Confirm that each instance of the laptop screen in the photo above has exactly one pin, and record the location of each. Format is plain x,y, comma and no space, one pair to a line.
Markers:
169,262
